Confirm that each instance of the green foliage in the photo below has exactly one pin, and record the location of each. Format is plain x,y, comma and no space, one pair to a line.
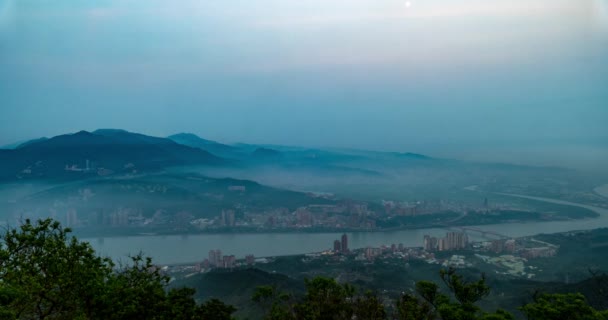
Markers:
325,299
274,303
369,307
46,274
214,309
571,306
49,274
179,303
409,307
135,292
433,304
429,291
467,293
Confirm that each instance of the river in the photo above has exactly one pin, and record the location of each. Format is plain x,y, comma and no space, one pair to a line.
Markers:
189,248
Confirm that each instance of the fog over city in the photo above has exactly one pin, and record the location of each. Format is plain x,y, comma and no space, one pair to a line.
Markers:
508,81
304,159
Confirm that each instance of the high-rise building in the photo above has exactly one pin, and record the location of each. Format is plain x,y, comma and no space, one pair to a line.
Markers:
497,246
369,253
212,260
215,258
430,243
304,217
456,240
442,244
228,262
344,243
337,246
250,259
452,241
510,246
228,218
218,257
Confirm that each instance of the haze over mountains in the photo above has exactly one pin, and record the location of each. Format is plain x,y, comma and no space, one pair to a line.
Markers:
86,154
111,151
116,181
119,153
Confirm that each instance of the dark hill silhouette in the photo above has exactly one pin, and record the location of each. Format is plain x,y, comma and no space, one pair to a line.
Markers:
266,153
192,140
104,151
27,143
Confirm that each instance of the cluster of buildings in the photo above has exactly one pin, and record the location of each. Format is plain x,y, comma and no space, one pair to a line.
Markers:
348,214
216,260
390,252
73,217
503,246
451,241
415,208
527,248
89,167
227,218
410,208
341,245
342,215
538,252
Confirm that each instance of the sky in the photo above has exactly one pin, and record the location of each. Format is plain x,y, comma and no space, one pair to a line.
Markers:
463,78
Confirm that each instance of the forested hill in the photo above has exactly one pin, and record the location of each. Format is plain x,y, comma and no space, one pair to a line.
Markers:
103,152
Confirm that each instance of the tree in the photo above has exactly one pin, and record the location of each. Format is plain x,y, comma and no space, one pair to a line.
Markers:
409,307
325,299
136,291
49,274
274,303
421,307
215,309
467,293
570,306
46,274
368,307
180,304
433,304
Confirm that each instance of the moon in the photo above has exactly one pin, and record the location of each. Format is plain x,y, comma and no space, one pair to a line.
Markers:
408,4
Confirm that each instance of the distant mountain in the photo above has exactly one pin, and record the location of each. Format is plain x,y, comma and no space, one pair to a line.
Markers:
126,137
19,144
194,141
266,153
412,156
101,152
27,143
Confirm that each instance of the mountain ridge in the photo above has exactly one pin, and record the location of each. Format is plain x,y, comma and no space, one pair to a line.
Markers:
105,151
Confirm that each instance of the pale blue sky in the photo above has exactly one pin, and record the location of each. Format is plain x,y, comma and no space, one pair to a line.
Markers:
378,74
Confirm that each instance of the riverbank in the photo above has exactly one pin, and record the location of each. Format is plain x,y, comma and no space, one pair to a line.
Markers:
462,220
172,249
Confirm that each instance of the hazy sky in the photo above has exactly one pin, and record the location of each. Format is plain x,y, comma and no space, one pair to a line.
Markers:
380,74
